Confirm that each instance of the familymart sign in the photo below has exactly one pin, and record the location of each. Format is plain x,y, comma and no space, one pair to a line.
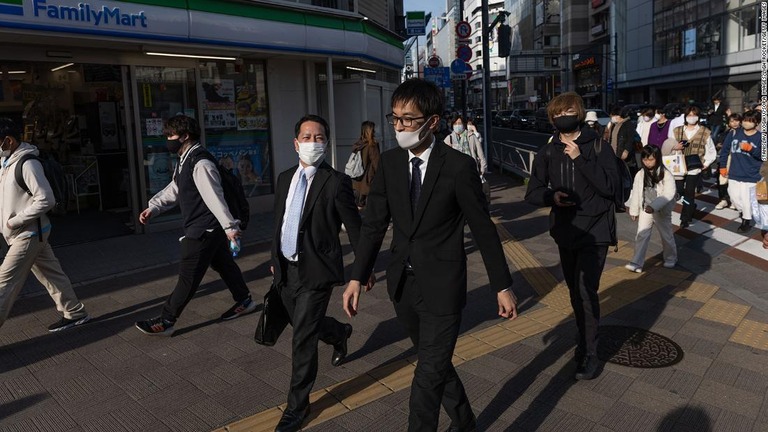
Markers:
84,12
118,18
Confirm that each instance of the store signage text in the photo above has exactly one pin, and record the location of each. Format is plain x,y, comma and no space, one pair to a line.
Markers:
84,13
589,61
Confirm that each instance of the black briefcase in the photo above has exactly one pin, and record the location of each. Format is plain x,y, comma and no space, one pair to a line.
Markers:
273,318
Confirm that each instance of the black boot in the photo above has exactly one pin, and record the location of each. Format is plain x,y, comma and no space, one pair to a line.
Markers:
745,225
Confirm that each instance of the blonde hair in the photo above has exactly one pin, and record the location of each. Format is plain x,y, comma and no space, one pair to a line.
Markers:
564,102
367,132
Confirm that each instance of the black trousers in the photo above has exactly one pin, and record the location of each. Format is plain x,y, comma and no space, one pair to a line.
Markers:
687,189
582,268
196,256
435,380
306,309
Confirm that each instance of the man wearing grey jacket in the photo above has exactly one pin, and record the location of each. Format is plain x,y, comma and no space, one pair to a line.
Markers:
208,227
26,229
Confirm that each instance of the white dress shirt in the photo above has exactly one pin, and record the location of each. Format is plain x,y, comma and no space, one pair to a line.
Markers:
424,156
309,172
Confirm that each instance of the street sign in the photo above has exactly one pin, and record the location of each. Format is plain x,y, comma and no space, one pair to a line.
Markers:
463,29
458,67
469,71
434,62
464,52
441,76
609,85
415,23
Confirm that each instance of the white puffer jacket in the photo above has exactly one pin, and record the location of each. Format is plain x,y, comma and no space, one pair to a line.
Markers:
17,208
665,194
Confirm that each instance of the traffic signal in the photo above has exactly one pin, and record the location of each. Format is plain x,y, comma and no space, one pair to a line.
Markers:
504,37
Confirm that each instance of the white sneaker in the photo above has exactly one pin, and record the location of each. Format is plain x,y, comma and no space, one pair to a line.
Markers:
633,268
732,207
721,205
670,265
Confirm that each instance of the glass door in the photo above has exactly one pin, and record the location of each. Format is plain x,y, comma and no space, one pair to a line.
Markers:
160,93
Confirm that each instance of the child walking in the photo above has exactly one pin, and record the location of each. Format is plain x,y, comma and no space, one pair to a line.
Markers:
651,203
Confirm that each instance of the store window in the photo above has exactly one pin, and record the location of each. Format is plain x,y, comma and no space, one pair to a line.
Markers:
236,121
74,114
163,92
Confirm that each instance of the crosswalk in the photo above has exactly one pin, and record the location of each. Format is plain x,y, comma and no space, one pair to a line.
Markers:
720,226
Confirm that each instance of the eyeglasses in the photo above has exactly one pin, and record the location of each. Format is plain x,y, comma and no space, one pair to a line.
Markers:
405,121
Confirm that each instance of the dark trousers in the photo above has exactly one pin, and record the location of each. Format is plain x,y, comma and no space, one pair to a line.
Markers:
687,189
306,309
196,255
582,268
435,381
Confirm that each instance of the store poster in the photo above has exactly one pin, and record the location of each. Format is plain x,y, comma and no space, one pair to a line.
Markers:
154,126
219,104
251,112
248,162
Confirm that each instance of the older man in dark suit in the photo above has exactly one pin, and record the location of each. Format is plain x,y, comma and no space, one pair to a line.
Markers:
428,190
312,200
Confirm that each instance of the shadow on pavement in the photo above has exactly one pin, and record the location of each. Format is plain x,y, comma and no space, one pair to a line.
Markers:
10,408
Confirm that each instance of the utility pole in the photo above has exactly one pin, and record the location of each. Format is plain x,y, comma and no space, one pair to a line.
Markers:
487,127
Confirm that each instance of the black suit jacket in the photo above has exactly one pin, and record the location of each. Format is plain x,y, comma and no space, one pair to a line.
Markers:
328,204
432,239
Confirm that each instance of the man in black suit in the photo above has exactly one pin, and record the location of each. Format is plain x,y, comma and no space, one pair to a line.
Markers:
312,200
427,275
717,117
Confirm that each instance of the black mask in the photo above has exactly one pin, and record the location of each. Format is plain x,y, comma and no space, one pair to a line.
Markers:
174,145
567,124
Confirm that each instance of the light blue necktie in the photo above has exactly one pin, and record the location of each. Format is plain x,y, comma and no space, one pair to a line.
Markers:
289,242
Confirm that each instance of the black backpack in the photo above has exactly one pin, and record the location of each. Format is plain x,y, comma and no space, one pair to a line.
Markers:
54,173
234,195
624,188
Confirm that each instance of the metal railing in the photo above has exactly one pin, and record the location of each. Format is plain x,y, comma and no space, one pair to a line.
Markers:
509,156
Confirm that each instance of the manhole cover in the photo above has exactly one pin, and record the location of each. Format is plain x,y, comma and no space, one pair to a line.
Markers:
634,347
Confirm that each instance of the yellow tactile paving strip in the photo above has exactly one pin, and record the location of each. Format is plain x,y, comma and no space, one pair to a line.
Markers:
696,291
628,287
751,333
723,312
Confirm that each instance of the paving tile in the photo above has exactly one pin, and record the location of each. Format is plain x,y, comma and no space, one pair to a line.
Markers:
729,398
729,421
723,312
625,417
698,416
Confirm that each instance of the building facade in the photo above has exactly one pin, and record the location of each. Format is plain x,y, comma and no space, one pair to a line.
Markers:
533,66
689,51
93,81
663,51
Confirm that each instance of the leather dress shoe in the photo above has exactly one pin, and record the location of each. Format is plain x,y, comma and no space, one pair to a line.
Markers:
588,368
291,420
340,349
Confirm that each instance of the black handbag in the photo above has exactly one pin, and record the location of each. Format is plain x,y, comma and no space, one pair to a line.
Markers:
693,162
273,318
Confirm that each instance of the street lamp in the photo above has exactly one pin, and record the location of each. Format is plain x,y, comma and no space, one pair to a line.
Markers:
711,40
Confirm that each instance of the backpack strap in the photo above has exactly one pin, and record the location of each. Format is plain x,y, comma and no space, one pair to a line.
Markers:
19,174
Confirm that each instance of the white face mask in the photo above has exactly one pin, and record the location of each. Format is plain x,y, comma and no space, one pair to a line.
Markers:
657,117
646,119
615,120
458,129
5,153
312,153
691,120
409,140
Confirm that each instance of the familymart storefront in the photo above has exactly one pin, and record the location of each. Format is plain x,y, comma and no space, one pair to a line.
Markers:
92,83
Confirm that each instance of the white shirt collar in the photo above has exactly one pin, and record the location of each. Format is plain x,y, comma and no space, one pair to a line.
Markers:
424,156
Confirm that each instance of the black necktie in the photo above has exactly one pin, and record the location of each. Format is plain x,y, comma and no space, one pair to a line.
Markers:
415,183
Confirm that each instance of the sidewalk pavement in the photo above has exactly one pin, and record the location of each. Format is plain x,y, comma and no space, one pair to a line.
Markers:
107,376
